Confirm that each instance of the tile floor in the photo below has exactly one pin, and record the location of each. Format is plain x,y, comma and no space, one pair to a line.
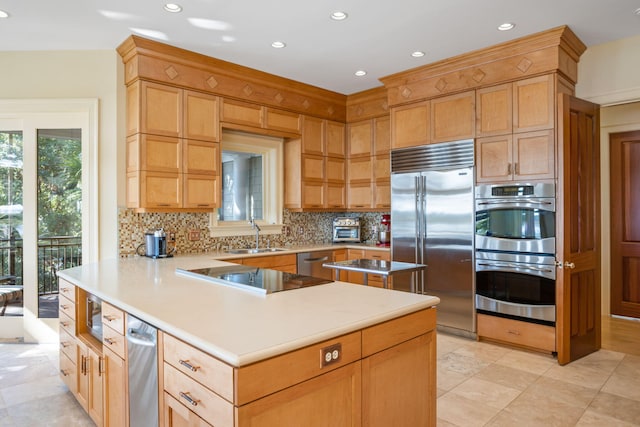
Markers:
479,384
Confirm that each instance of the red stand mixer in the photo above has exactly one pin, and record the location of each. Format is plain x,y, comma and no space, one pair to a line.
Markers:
384,231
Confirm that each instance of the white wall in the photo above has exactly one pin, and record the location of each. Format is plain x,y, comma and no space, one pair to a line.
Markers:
81,74
608,75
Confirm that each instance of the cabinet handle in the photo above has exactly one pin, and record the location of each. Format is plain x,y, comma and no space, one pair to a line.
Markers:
83,365
64,373
64,344
64,324
517,168
108,317
188,365
64,306
189,399
109,341
163,204
203,205
100,366
508,168
64,290
513,332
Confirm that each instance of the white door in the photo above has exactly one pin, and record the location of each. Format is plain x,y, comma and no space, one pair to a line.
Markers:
47,171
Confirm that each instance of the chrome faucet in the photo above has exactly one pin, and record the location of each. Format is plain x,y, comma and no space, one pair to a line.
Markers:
256,227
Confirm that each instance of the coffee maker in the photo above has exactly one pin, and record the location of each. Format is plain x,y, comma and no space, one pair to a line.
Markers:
155,243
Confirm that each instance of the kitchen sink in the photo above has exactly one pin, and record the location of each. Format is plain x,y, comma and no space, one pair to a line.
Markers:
254,250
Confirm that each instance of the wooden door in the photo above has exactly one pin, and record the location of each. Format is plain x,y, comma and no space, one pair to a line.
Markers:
360,138
410,125
115,390
453,117
625,227
494,159
95,371
578,229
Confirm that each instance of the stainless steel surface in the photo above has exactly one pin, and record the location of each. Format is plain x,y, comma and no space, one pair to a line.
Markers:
374,266
540,189
432,219
256,227
259,280
254,251
534,246
310,264
142,359
94,316
346,229
384,236
539,312
535,265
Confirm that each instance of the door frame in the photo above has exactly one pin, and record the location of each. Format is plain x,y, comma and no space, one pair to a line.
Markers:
47,113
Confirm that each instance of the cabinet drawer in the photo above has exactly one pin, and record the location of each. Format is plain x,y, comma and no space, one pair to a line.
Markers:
271,375
67,289
114,341
199,399
516,332
68,372
67,306
68,344
113,318
379,255
67,324
198,365
175,414
385,335
270,261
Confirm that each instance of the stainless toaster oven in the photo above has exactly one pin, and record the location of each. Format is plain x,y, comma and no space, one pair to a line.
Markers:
346,229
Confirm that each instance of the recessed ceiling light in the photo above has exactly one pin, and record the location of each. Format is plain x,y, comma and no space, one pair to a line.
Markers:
173,7
417,54
360,73
278,45
338,16
506,26
3,14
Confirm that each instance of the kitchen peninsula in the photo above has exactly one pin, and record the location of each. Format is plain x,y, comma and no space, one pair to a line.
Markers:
333,354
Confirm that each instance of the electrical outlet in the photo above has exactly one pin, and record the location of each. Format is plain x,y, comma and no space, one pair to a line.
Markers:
330,355
194,235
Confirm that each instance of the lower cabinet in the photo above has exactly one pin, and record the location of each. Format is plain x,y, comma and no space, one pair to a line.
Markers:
177,415
515,332
115,390
372,279
90,381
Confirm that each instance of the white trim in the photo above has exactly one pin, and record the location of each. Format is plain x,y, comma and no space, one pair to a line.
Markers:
43,113
614,97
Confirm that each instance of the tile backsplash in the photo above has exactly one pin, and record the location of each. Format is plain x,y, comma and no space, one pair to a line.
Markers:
301,228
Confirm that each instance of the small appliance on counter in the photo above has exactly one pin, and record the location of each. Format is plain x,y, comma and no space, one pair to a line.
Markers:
384,231
155,244
346,229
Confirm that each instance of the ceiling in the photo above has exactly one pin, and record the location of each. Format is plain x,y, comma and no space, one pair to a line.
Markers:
378,36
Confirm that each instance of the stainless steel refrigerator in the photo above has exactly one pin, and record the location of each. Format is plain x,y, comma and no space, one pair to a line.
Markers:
432,223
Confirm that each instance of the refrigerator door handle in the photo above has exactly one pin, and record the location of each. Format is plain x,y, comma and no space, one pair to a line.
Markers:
417,195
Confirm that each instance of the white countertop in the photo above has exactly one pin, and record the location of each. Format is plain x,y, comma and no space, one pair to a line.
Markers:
237,326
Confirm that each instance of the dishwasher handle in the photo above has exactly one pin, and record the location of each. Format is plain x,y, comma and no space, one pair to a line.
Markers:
319,259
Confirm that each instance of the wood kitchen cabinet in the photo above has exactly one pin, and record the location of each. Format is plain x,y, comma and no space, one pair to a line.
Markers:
410,125
249,116
494,110
453,117
286,263
90,379
523,156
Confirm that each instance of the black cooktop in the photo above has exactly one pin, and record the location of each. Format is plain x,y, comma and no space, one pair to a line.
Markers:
260,280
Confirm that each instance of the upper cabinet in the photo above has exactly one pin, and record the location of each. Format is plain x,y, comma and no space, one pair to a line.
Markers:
410,125
533,104
494,110
453,117
251,117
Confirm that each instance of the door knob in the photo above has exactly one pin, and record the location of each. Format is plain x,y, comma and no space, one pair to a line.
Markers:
568,264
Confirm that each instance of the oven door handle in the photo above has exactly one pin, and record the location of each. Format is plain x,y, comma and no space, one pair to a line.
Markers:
514,202
515,266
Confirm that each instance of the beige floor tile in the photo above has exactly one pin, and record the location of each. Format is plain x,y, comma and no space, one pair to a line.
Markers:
21,370
464,412
439,423
602,360
448,379
449,343
45,387
617,407
534,363
560,391
488,393
533,410
60,411
508,377
483,351
577,374
594,419
623,385
453,369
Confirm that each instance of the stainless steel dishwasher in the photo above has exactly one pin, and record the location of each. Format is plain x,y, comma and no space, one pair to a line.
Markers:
142,353
310,264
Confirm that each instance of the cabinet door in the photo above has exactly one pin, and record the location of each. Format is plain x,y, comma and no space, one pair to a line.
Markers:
331,399
412,364
160,190
533,104
313,167
410,125
313,195
360,170
336,195
381,167
336,170
453,117
494,110
534,155
381,135
360,138
201,114
161,109
242,113
282,120
493,157
201,157
115,390
360,196
313,136
200,191
95,372
154,153
352,276
334,139
383,194
69,373
82,380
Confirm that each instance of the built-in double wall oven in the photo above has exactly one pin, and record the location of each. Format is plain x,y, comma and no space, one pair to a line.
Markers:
515,251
